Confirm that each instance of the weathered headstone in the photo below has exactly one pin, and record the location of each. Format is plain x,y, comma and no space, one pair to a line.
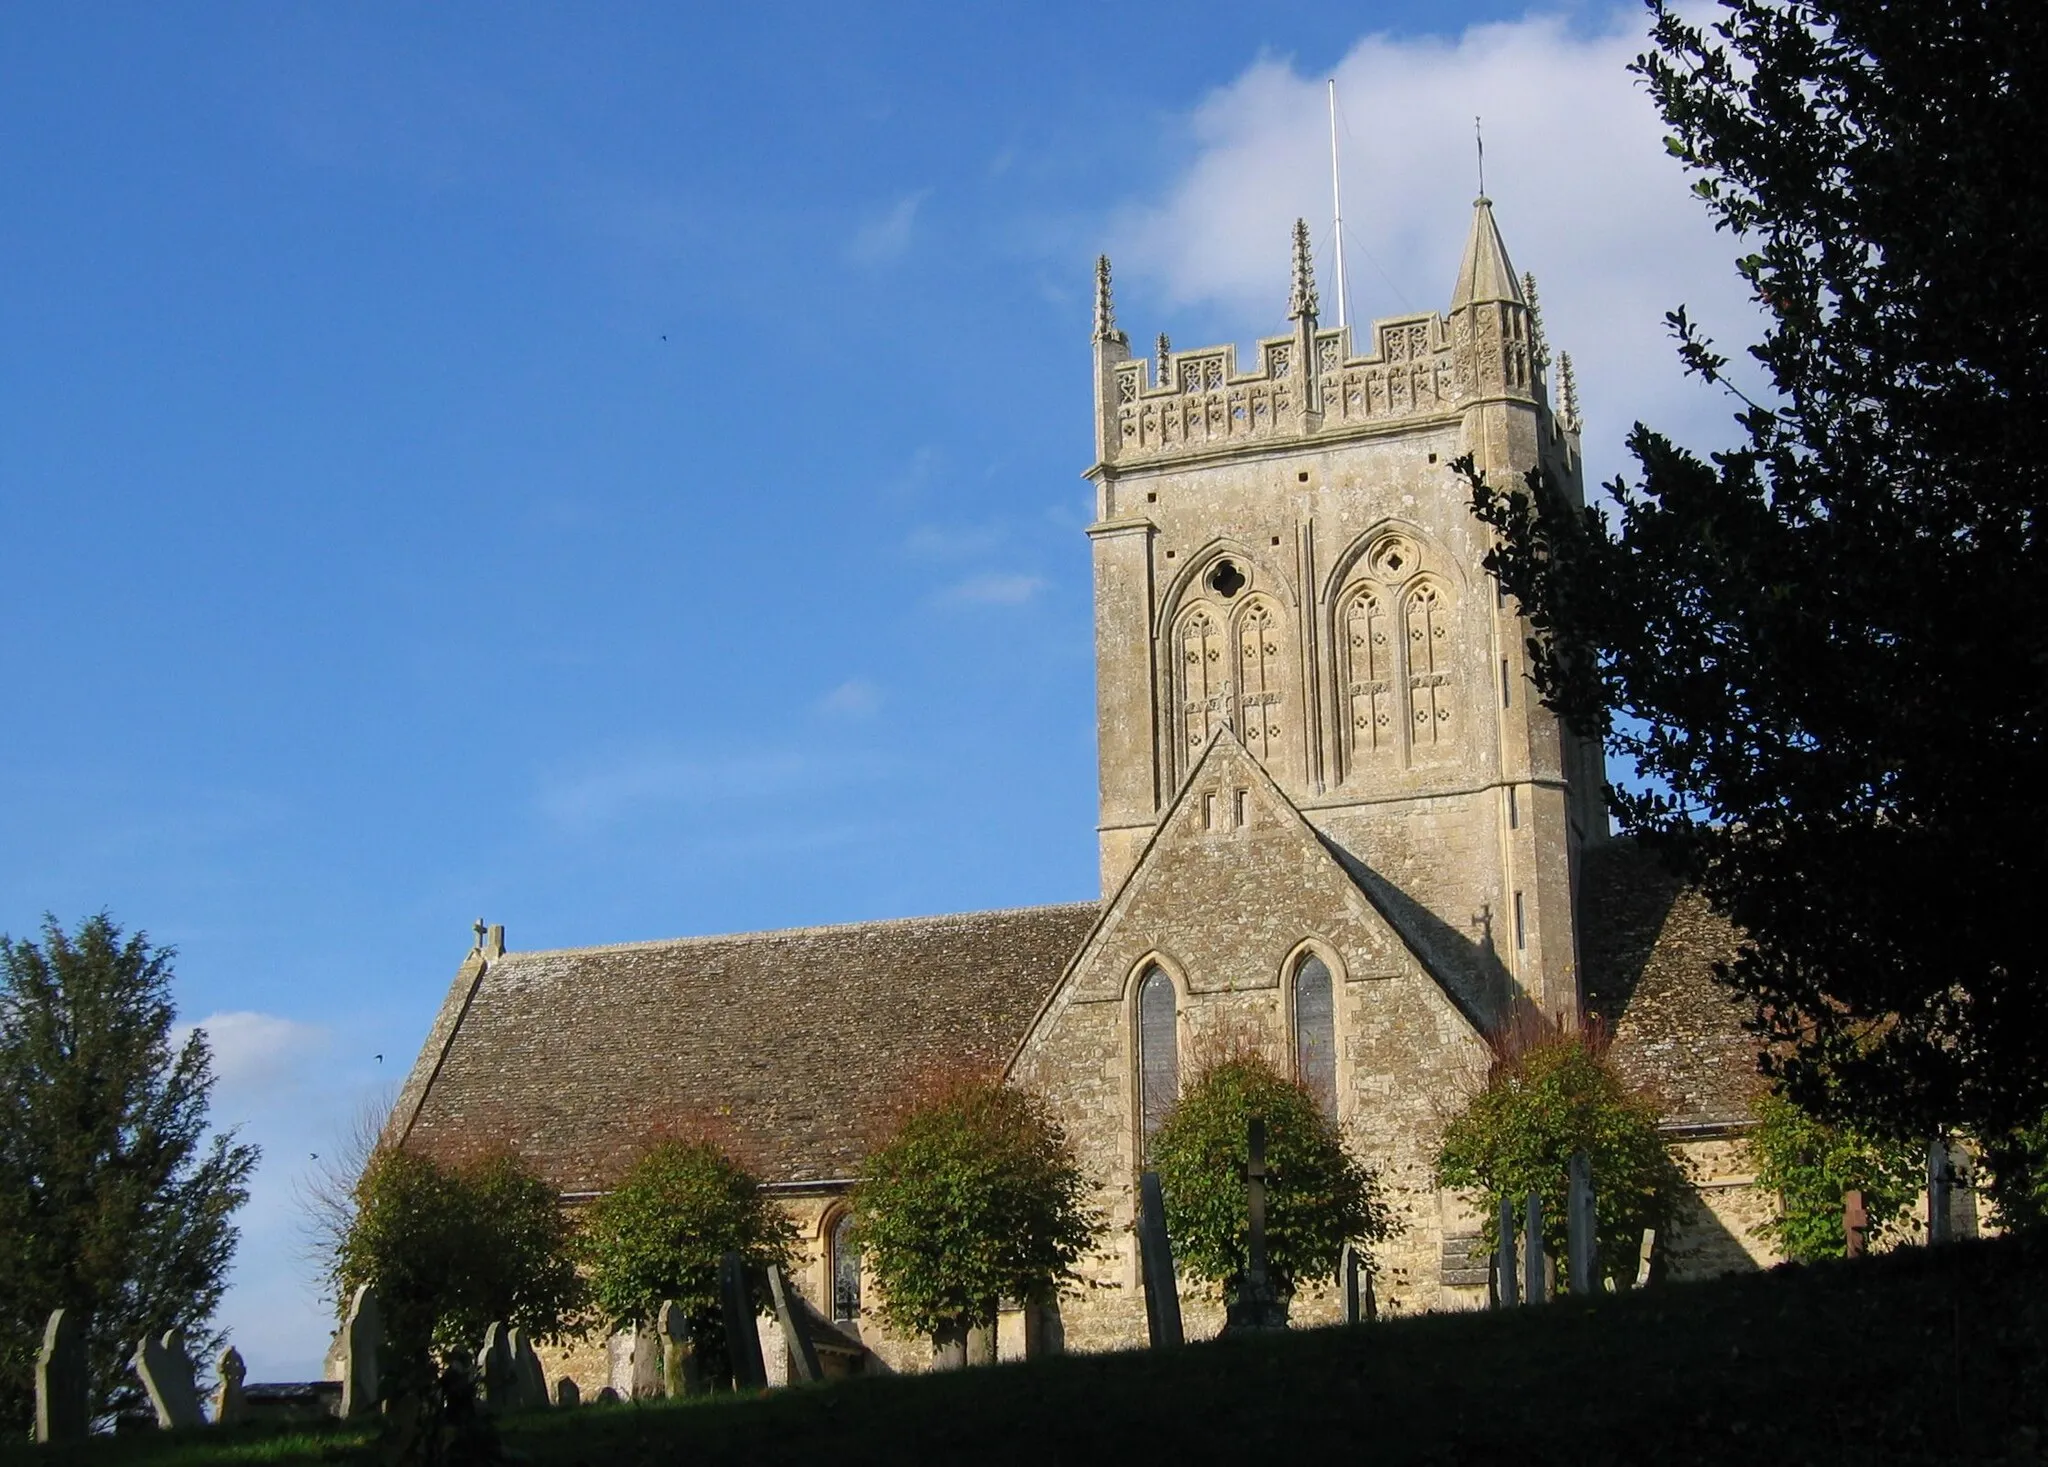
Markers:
1855,1223
496,1371
679,1370
1582,1250
606,1395
742,1338
166,1375
796,1329
1155,1259
566,1393
530,1380
228,1404
1354,1283
1645,1256
1257,1305
1533,1282
1941,1179
1506,1292
63,1387
362,1335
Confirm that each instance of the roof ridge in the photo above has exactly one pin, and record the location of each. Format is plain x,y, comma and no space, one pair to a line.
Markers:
764,934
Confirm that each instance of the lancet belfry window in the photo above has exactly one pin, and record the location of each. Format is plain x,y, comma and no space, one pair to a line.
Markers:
1315,1032
1158,1050
1259,683
1429,693
1202,681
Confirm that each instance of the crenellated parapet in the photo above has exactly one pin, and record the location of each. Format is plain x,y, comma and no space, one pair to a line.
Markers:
1311,384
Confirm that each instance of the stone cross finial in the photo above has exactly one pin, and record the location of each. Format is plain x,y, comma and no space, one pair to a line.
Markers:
1301,298
1105,307
1568,392
479,929
1539,347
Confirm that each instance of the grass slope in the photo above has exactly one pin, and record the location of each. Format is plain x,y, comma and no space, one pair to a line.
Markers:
1912,1357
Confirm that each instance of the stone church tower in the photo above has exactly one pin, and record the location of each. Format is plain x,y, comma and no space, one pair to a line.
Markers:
1283,551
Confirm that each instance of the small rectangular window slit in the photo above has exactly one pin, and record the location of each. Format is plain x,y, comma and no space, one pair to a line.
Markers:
1514,813
1506,686
1238,812
1209,812
1521,935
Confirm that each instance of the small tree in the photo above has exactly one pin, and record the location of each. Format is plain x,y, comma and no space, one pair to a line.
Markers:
1811,1166
661,1233
1318,1196
975,1198
114,1199
1548,1095
449,1250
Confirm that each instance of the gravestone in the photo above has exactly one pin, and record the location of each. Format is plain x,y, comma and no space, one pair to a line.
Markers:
796,1329
1645,1255
1155,1259
496,1372
362,1339
1354,1283
63,1387
1582,1251
1506,1291
1256,1305
742,1336
1855,1223
606,1395
566,1393
679,1370
228,1403
1533,1282
166,1375
1940,1185
530,1381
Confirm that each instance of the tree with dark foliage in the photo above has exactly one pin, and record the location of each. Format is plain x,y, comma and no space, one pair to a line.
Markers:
1827,650
114,1200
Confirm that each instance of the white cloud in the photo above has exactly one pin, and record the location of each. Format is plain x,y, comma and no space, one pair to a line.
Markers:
255,1057
1585,194
886,237
996,588
854,698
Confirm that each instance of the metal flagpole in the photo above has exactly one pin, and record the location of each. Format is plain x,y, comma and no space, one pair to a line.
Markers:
1337,203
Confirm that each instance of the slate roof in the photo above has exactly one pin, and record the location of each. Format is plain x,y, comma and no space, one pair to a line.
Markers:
792,1046
1647,949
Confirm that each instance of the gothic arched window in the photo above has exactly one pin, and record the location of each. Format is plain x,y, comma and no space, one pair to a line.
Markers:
1368,674
1158,1050
1260,676
844,1264
1429,661
1201,678
1315,1032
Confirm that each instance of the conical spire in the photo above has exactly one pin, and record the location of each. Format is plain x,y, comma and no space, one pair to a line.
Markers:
1486,274
1301,299
1105,308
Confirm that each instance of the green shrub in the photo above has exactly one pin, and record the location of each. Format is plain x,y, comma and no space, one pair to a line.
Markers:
661,1232
451,1249
975,1198
1811,1166
1318,1197
1548,1095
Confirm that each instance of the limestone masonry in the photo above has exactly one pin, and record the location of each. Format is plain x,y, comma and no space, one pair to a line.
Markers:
1334,822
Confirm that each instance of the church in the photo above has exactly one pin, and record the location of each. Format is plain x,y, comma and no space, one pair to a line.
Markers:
1335,823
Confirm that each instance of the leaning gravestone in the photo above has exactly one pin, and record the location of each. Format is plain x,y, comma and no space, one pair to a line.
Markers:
679,1370
362,1337
530,1381
229,1406
166,1376
742,1333
1155,1257
496,1372
796,1330
63,1390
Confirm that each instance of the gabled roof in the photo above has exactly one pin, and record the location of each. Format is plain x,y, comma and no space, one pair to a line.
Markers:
1647,948
792,1046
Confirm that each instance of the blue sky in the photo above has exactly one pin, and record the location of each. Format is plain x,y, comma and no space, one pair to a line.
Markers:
615,470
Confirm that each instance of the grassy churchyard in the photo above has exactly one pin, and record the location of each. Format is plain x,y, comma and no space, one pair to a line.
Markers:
1920,1355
